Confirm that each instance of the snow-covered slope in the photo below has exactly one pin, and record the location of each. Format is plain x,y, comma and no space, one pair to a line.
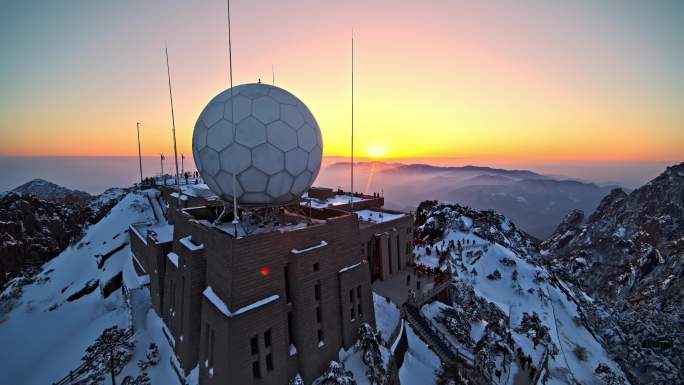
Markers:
46,322
499,288
629,254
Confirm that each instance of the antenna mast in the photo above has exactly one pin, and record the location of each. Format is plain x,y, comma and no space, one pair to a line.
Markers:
232,108
272,75
173,123
351,199
137,125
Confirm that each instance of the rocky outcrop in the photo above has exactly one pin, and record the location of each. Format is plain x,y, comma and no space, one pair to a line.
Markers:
39,219
49,191
630,255
33,231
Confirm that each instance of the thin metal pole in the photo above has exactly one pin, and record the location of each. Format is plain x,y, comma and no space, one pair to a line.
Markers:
139,154
273,74
173,124
351,200
232,115
161,161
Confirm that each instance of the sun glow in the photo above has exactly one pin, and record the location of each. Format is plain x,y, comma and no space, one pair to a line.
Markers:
376,151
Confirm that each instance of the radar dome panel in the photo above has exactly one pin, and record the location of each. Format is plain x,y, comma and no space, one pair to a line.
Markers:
275,153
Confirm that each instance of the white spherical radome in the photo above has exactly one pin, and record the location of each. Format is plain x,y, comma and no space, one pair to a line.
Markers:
275,154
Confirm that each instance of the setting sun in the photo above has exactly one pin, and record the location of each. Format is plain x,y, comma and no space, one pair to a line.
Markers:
377,151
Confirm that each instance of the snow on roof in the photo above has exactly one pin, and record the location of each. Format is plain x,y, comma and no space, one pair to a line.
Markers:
375,216
163,232
229,228
342,270
173,257
183,197
300,251
223,308
189,244
337,200
199,190
136,232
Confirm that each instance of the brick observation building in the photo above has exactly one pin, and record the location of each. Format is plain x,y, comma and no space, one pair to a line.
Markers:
277,296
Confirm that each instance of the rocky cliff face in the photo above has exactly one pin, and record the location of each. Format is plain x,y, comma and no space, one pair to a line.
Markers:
39,219
32,231
629,254
505,304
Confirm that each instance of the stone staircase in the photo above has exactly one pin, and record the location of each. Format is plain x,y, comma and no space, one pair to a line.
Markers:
425,331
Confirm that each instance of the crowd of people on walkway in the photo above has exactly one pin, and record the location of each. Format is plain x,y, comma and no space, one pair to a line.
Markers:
162,180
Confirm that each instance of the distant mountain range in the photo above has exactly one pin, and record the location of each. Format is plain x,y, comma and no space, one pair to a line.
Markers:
519,174
536,202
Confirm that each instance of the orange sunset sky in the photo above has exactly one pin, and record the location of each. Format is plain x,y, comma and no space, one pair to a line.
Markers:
526,80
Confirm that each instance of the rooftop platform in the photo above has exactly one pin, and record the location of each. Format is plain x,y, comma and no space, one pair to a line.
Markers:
319,197
378,216
259,221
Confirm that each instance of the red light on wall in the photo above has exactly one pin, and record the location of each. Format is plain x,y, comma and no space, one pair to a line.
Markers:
264,271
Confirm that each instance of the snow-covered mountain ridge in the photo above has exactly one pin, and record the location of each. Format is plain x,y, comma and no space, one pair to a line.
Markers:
629,254
42,189
504,300
42,219
47,320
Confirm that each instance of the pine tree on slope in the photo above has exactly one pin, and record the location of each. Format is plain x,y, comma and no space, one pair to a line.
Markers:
370,347
336,375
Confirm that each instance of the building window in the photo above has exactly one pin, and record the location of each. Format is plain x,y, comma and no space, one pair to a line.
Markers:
269,362
318,314
352,314
287,284
317,291
316,266
209,345
206,341
351,295
182,306
320,337
360,310
358,292
173,297
256,371
290,335
267,338
255,345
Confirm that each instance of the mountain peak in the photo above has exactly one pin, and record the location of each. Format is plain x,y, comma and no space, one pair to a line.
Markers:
46,190
628,255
